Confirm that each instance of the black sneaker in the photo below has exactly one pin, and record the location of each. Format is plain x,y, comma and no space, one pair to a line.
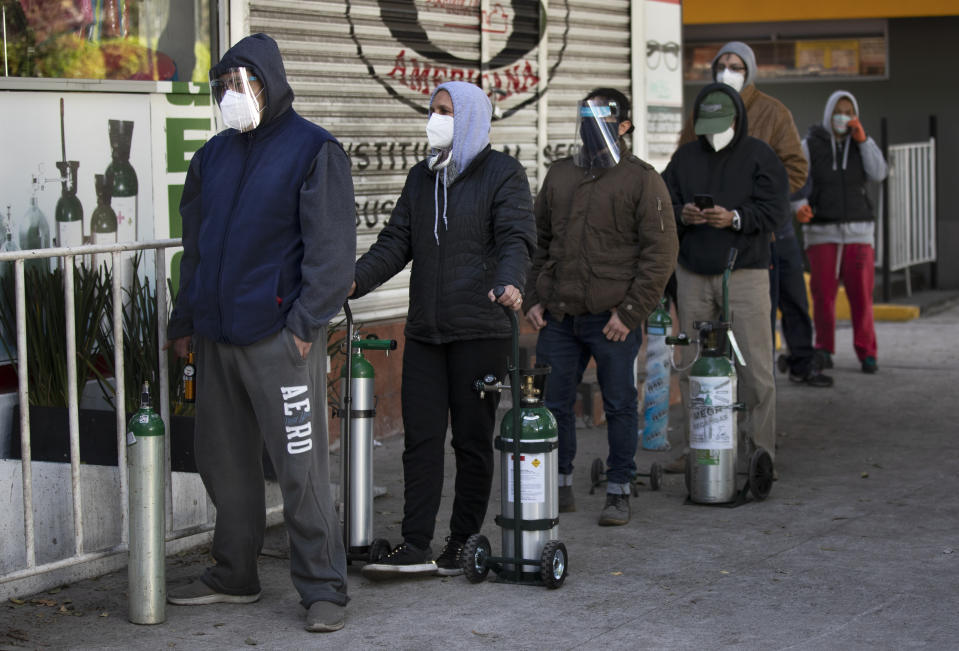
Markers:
448,562
870,366
404,560
616,511
813,379
782,363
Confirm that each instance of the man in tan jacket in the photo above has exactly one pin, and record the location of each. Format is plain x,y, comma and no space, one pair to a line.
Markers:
770,121
606,245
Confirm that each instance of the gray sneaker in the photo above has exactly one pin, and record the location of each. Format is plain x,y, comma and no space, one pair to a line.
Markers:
567,503
616,511
325,617
198,593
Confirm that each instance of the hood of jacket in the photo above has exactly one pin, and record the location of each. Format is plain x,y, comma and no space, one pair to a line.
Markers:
260,53
472,114
831,106
824,131
742,124
745,53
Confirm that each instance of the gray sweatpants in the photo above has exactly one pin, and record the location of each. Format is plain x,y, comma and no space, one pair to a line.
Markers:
248,395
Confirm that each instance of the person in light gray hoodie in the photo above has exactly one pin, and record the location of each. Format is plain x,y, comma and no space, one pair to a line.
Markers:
839,225
465,220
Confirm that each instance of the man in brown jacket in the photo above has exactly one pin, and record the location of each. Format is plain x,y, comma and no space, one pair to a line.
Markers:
606,247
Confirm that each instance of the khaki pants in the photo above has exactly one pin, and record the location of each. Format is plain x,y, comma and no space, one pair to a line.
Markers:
700,298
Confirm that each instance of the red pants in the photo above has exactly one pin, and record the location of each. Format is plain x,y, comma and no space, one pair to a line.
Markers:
857,271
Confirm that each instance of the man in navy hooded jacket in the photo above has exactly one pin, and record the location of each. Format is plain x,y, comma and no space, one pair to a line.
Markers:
269,240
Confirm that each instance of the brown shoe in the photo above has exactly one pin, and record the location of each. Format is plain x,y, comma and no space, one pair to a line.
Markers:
677,466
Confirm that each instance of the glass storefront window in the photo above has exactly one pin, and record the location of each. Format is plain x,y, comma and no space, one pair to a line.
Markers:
798,59
153,40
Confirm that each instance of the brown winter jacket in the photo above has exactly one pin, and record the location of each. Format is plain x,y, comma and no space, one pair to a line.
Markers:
605,239
771,122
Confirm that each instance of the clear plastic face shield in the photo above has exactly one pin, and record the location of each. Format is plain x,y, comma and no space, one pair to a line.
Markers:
597,127
239,94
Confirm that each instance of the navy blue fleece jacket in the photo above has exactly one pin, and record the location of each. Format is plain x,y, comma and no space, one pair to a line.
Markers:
269,225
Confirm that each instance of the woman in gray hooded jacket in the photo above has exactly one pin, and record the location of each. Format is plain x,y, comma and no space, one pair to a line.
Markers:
465,220
839,225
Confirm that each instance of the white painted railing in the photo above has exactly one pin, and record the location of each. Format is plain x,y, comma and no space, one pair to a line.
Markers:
912,207
34,576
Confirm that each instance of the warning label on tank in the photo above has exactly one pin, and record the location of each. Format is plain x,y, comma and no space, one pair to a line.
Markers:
711,415
532,478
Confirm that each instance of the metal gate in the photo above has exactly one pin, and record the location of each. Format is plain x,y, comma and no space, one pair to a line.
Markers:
911,187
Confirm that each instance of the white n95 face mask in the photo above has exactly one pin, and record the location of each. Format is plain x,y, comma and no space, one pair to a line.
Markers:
840,123
439,131
731,78
721,139
240,111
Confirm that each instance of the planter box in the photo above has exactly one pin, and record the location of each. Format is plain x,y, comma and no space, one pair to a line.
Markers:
50,437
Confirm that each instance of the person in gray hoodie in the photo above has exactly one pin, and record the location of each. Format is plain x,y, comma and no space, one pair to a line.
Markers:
839,225
465,220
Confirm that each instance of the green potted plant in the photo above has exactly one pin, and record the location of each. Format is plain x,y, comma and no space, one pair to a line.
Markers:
48,385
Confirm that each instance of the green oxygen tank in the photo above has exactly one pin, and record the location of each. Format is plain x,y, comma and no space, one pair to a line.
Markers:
69,211
539,471
146,456
103,221
125,185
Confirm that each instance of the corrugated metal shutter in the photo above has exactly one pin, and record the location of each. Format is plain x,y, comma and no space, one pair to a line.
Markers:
364,69
594,46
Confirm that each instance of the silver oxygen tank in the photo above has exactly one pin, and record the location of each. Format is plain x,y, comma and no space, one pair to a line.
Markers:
713,439
539,468
147,563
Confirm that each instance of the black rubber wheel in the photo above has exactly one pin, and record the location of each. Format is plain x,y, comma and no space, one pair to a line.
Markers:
596,472
655,476
760,474
554,564
379,548
474,557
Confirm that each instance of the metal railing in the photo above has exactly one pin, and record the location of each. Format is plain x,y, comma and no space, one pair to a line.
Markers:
33,576
909,205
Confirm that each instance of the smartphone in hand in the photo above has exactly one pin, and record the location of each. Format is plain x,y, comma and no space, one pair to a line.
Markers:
703,201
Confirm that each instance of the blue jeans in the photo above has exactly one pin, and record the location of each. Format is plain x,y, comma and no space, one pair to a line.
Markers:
567,346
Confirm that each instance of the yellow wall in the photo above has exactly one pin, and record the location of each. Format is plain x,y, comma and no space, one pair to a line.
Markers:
710,11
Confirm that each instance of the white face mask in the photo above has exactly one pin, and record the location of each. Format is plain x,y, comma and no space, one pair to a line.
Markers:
721,139
731,78
439,131
840,123
240,111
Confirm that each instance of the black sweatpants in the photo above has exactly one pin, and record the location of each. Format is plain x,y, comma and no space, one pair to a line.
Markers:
437,391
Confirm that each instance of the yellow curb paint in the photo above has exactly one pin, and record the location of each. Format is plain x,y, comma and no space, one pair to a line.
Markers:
880,311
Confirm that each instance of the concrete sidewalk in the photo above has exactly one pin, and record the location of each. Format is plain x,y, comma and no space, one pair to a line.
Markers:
857,547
